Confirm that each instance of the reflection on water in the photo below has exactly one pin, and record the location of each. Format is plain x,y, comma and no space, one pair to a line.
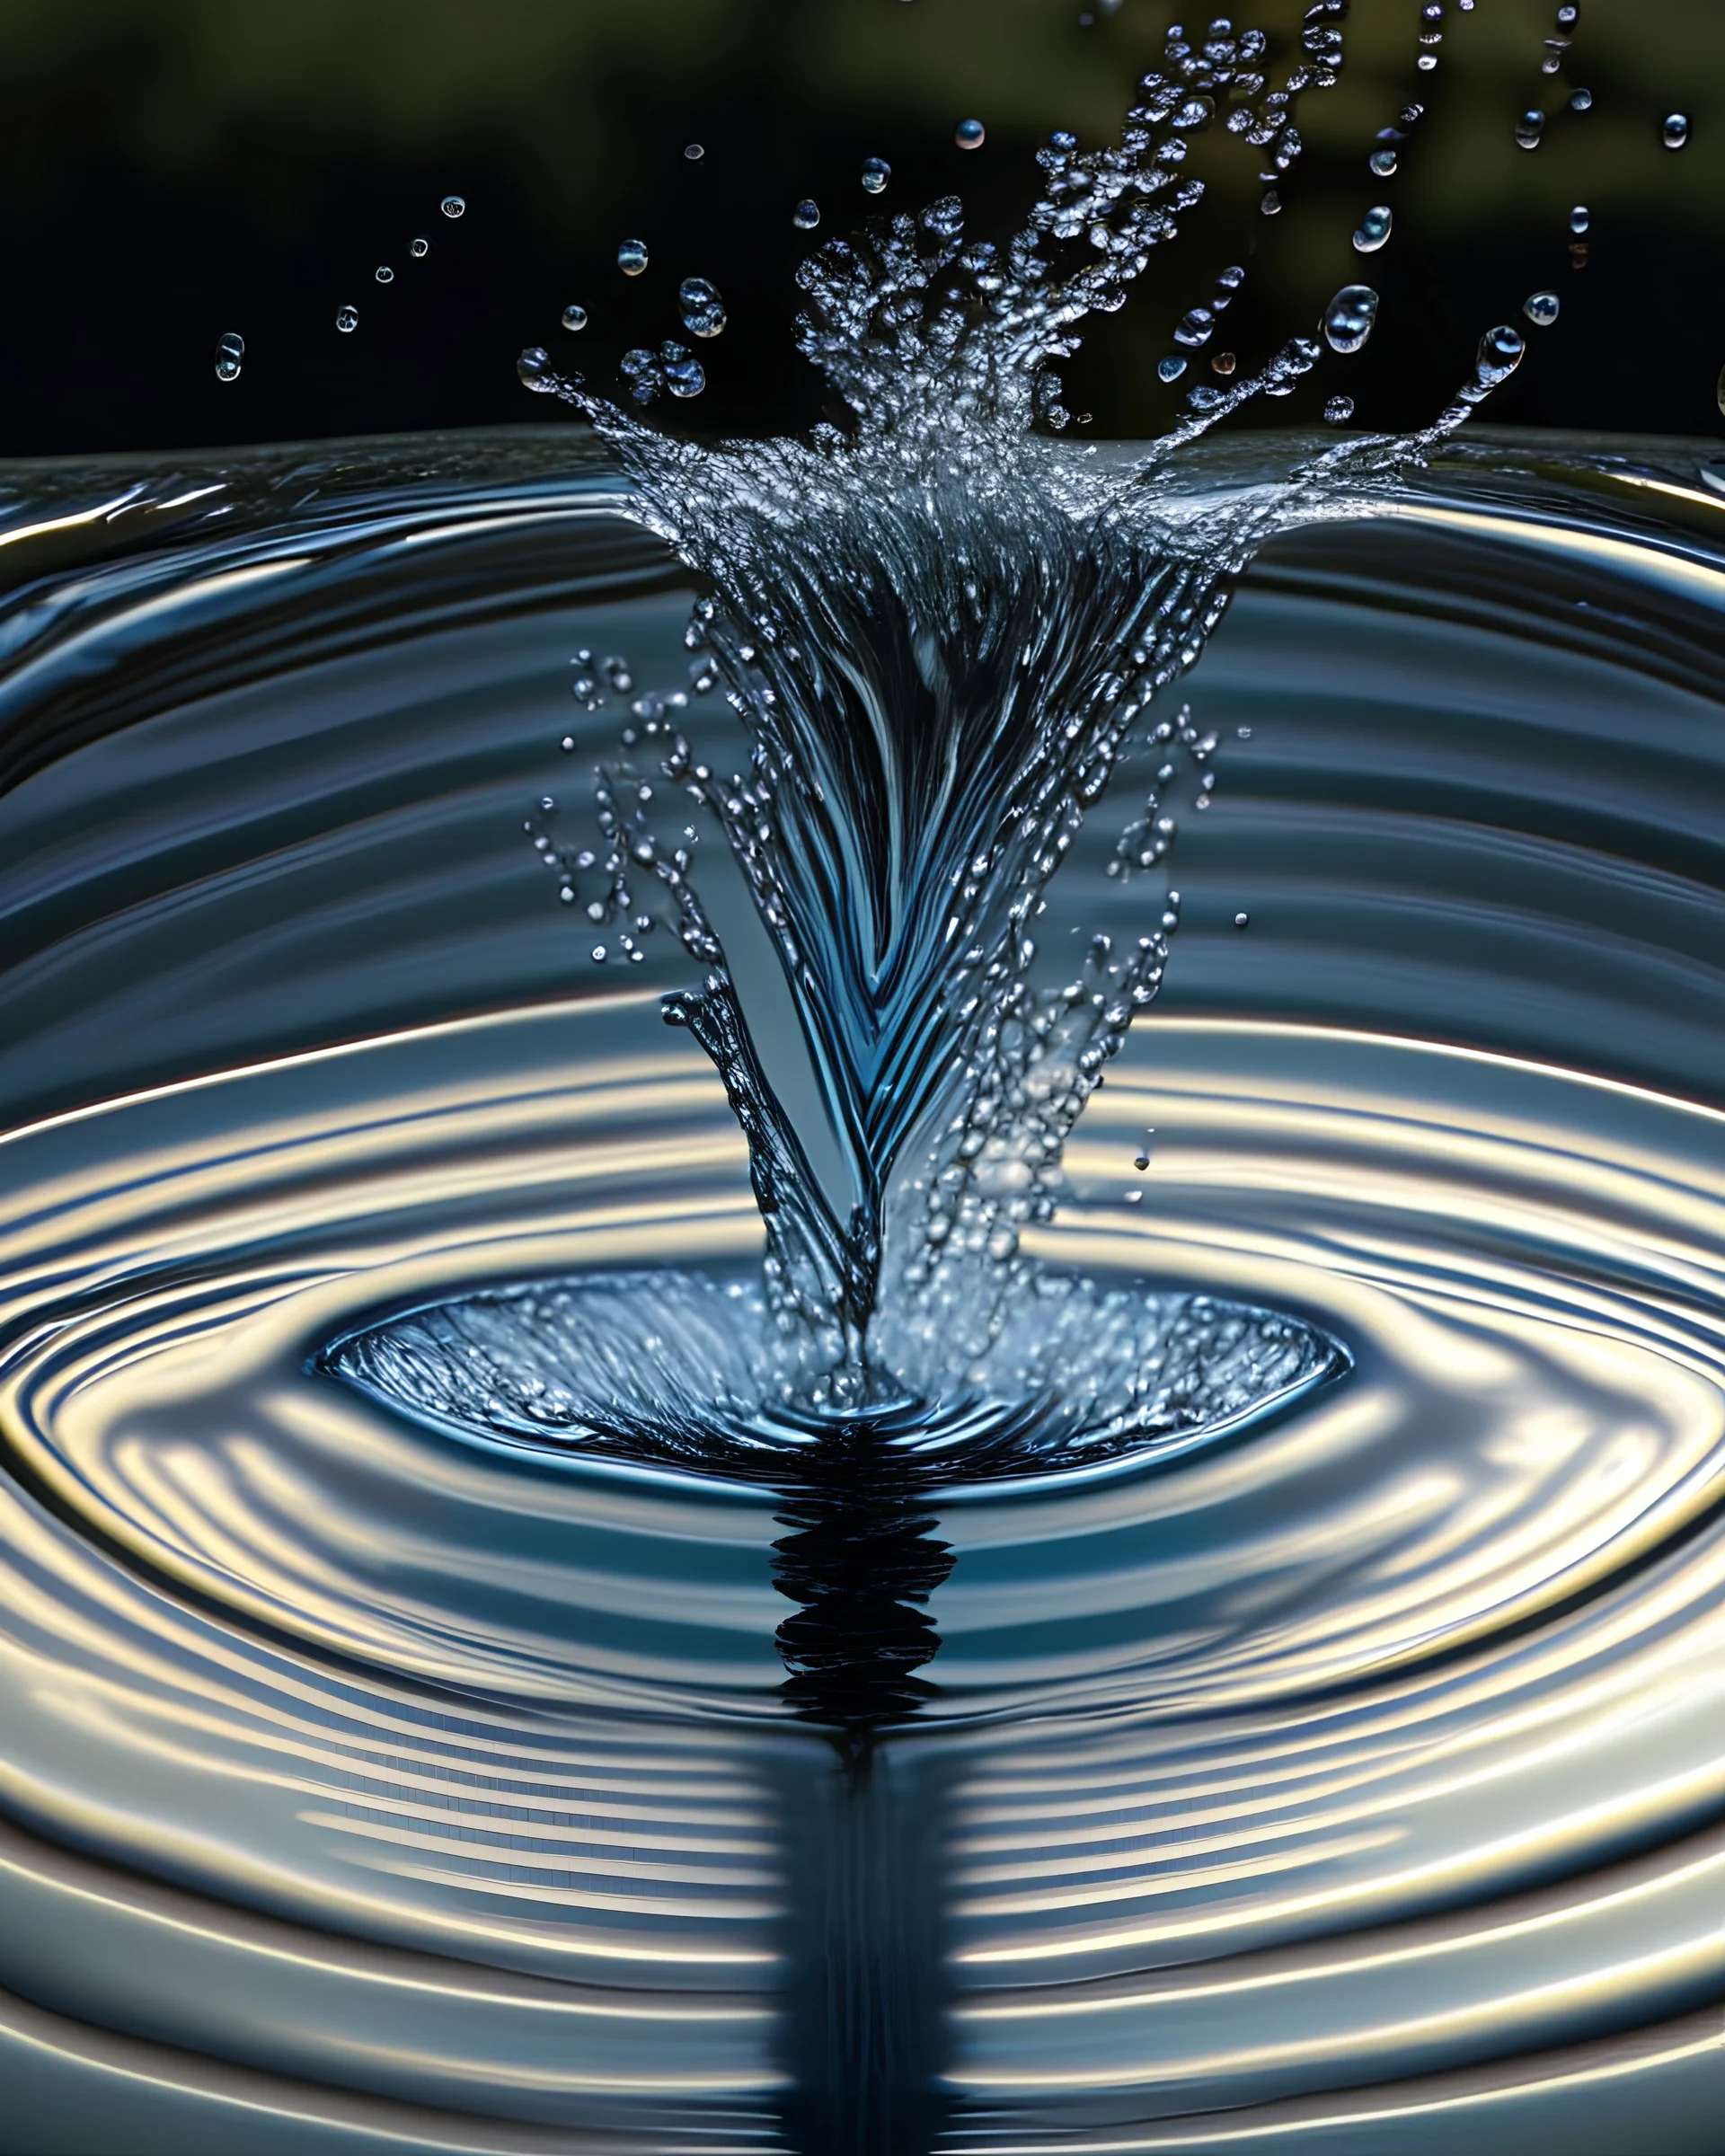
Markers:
1350,1780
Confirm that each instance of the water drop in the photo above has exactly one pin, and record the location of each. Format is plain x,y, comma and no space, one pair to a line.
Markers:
574,317
1500,354
694,152
876,173
1530,129
453,206
1676,132
806,216
383,274
1374,229
970,135
598,953
347,319
684,376
1224,363
1339,411
1581,100
1349,318
230,350
704,311
418,249
1580,219
632,257
1383,162
1171,368
1540,308
534,362
1241,920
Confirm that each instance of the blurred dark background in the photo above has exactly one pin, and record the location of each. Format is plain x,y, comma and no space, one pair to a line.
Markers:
177,169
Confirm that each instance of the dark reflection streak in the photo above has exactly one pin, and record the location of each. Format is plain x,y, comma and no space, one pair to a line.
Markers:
862,2027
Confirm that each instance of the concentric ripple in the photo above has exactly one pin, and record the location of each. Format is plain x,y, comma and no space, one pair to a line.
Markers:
1346,1780
1379,1743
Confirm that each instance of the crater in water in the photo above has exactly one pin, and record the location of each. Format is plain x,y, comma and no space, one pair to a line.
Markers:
680,1369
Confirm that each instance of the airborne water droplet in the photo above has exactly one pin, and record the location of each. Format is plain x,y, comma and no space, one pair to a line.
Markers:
1374,229
383,274
632,257
970,135
806,216
453,206
694,152
1241,920
1383,162
684,376
230,350
876,173
1500,354
1676,132
1171,368
1580,219
1530,129
347,319
1349,318
574,317
1540,308
702,309
1581,100
1339,411
418,249
534,362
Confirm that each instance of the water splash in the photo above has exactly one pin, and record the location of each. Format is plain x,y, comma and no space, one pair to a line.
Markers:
942,632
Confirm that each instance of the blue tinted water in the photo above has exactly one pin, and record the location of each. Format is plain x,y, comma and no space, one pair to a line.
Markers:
1347,1780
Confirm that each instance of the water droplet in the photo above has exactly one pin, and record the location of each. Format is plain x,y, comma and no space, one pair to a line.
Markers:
230,350
453,206
1241,920
1374,229
1500,354
1339,411
418,249
1349,318
806,216
694,152
1530,129
1580,218
1224,363
632,257
876,173
383,274
1540,308
1383,162
970,135
574,316
534,362
1676,132
684,376
704,311
1581,100
347,319
598,953
1171,368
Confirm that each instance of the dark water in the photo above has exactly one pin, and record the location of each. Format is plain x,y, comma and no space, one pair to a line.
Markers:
1348,1779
